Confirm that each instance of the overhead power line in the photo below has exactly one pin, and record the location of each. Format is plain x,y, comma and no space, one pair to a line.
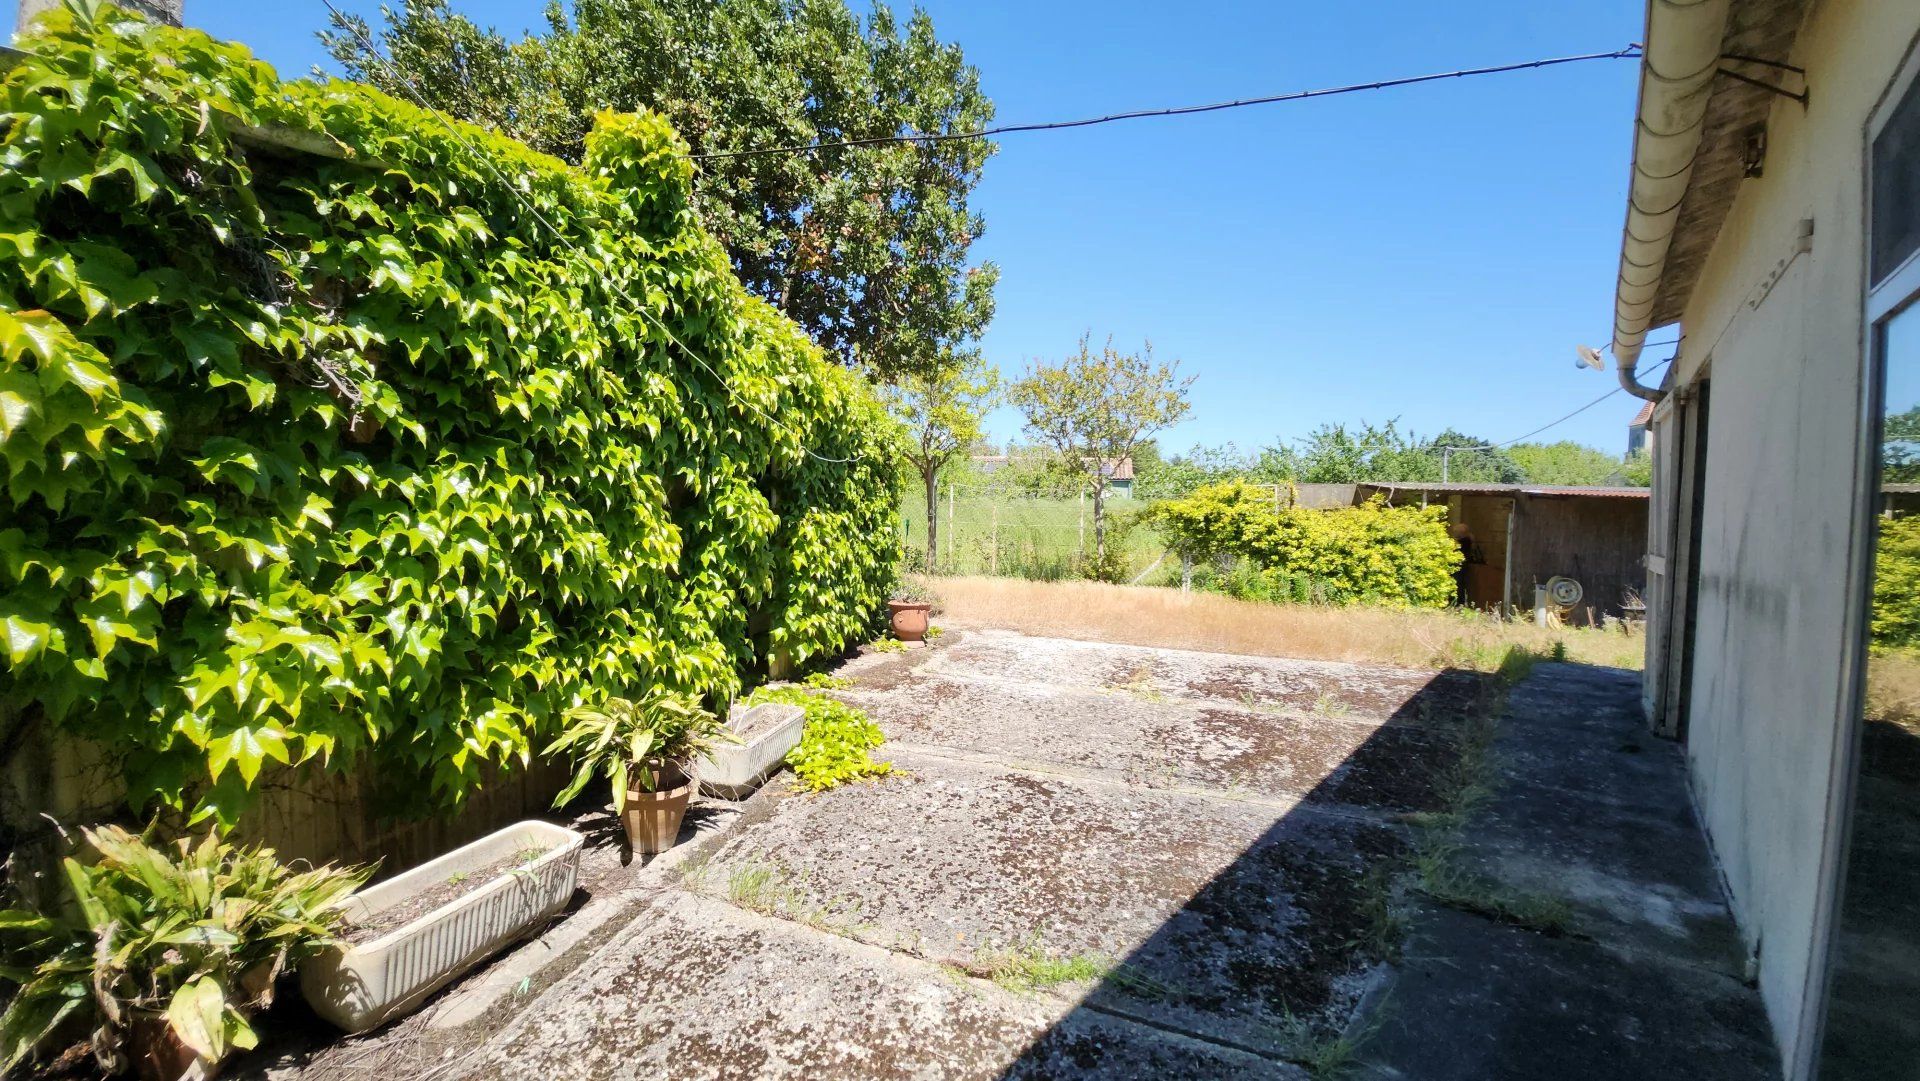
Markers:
420,99
1630,52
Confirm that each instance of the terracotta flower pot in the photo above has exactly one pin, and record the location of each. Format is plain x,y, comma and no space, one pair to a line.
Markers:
652,819
158,1054
909,619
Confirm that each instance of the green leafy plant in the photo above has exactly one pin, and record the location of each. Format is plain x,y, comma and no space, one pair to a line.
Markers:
1373,552
888,645
837,743
187,934
912,591
631,741
381,457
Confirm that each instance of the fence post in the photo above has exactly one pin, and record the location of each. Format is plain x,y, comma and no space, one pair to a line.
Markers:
1186,573
1276,499
1083,521
993,557
949,527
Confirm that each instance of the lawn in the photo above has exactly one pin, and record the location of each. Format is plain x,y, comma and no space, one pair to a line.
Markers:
1038,537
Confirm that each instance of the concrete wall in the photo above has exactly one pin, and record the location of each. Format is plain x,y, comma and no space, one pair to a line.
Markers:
1781,498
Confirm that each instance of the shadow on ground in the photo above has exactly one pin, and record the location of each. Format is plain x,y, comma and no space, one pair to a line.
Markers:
1569,925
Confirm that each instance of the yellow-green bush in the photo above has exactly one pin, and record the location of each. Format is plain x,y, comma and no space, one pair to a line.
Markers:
357,459
1896,583
1373,552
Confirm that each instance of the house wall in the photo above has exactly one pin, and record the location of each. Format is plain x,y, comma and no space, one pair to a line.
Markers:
1781,494
1597,542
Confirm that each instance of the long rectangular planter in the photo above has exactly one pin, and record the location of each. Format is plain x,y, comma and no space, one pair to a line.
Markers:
365,984
732,770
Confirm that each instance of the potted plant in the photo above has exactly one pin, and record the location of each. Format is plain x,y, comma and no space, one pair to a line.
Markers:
645,748
908,609
163,952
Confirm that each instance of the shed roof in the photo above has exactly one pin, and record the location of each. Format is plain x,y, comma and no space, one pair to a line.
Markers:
1466,488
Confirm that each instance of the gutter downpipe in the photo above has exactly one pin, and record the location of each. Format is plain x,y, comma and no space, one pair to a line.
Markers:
1681,56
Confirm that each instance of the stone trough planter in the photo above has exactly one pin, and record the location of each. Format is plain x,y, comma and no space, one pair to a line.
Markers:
767,732
360,985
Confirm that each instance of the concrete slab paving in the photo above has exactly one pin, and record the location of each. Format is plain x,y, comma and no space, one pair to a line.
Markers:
1213,839
1233,916
695,988
1159,740
1474,1000
1592,809
1331,689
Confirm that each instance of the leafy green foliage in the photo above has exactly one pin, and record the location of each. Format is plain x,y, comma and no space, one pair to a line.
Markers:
194,932
1566,462
837,743
1094,410
1373,552
865,247
941,413
626,739
355,460
1896,583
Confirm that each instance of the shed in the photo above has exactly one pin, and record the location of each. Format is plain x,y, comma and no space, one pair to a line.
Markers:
1518,536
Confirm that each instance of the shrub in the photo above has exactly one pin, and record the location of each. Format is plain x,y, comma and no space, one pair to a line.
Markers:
837,743
192,935
355,459
1896,583
1373,552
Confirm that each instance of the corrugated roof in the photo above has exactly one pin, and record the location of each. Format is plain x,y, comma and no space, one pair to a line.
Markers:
1465,488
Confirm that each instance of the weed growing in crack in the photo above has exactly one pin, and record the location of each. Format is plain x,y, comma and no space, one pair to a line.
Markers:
1330,706
1321,1053
1030,967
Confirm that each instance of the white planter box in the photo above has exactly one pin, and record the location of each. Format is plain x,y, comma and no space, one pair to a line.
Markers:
364,984
732,770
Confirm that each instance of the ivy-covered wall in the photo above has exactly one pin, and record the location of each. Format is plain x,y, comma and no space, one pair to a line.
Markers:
357,460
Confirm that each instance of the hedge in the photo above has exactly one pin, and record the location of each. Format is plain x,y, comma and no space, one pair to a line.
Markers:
357,460
1372,552
1896,583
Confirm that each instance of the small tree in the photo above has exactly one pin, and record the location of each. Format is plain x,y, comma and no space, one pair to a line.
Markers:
942,411
1096,410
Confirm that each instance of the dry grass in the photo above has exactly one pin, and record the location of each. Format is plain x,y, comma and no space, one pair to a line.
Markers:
1156,616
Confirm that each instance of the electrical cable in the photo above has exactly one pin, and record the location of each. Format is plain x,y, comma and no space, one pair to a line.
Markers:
420,99
1630,52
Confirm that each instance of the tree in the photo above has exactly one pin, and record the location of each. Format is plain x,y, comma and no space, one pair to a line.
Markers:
941,411
1095,409
1566,462
1637,470
866,247
1335,454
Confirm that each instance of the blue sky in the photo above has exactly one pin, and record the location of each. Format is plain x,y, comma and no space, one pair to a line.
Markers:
1431,254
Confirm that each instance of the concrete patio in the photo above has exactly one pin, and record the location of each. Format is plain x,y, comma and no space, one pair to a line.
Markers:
1216,856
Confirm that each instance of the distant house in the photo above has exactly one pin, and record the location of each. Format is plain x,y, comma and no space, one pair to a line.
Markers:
1639,433
1521,536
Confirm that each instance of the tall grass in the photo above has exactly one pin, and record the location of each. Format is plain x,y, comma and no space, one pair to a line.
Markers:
1045,538
1158,616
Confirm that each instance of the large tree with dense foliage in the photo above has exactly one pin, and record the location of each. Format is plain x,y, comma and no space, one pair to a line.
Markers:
941,412
1094,409
865,247
1566,462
